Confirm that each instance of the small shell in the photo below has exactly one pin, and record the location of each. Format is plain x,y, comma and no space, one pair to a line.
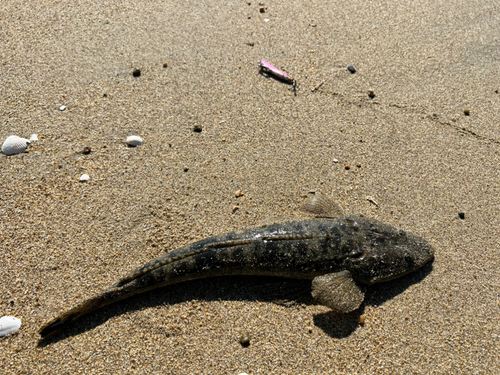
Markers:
84,178
62,108
8,325
134,140
33,138
14,145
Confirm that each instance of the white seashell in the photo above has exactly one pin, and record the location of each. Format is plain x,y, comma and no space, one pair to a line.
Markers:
8,325
62,108
33,138
134,140
14,145
84,178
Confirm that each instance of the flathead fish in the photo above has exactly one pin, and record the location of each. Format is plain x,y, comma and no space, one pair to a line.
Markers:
338,253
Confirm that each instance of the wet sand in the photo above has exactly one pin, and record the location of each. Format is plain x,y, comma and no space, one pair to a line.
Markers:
411,147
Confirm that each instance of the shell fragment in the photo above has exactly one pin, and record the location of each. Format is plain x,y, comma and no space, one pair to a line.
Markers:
84,178
14,145
8,325
134,141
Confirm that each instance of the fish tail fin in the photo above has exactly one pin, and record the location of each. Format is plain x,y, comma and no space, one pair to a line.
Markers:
76,312
107,297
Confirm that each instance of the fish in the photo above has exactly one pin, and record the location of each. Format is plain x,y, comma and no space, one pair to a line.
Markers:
340,254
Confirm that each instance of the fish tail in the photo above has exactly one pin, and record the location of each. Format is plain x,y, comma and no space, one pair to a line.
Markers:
107,297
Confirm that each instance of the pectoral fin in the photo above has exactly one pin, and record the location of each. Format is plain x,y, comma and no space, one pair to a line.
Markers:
321,206
338,291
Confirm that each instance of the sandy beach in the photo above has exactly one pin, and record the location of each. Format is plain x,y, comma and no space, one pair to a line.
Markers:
425,145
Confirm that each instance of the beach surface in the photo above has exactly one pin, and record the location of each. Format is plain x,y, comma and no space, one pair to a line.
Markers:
425,145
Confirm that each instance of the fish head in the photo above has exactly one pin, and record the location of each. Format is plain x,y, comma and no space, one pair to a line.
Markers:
386,253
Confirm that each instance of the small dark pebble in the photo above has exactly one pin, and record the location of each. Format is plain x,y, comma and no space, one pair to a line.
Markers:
165,64
371,94
467,112
105,95
358,165
186,169
86,150
496,91
262,10
461,215
347,167
352,69
245,341
197,128
136,72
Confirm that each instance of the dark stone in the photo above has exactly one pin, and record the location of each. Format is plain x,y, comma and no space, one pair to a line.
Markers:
461,215
136,72
352,69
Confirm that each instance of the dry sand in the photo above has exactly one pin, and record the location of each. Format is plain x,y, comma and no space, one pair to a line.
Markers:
421,158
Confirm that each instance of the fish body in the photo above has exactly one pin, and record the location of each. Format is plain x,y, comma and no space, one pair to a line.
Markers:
338,254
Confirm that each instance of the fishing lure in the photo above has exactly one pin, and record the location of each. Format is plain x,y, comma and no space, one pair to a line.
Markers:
267,68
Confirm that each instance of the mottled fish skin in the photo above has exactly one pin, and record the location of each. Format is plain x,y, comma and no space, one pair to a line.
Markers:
304,249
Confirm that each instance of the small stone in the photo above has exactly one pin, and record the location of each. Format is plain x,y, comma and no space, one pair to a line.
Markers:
335,160
245,340
186,169
84,178
461,215
371,94
310,329
33,138
165,64
347,167
362,320
62,108
262,10
358,165
197,128
104,95
86,150
134,141
235,208
239,193
467,112
136,72
352,69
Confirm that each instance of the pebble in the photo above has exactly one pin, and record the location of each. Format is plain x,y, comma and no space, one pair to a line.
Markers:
371,94
165,64
461,215
134,141
347,167
335,160
86,150
136,72
352,69
14,145
245,340
197,128
84,177
33,138
467,112
8,325
362,320
62,108
239,193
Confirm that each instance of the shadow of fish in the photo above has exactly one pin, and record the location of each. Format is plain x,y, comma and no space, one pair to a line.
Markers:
340,254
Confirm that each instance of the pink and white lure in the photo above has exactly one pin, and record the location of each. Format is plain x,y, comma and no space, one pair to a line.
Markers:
267,68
